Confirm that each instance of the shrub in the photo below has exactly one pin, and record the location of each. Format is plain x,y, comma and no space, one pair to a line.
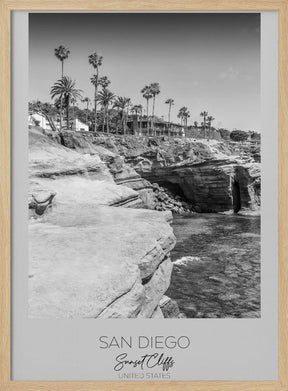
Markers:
238,135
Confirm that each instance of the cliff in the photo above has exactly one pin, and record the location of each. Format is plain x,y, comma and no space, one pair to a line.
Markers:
214,185
94,250
122,172
212,176
92,254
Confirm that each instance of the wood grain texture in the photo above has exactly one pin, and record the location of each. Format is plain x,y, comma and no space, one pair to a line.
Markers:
168,5
5,195
136,5
282,196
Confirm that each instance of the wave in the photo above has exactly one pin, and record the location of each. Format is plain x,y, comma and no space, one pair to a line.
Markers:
186,260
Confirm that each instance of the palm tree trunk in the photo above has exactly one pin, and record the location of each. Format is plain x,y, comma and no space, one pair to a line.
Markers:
61,105
87,114
123,121
107,120
147,118
103,121
67,115
169,119
117,123
153,119
126,119
60,112
95,103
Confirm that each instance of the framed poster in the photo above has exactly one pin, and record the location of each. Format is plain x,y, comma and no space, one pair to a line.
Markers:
144,196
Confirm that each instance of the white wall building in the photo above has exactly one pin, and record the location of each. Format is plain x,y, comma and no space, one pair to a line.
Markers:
37,119
79,126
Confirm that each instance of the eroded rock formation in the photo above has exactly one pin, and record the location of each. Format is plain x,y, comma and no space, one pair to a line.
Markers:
213,176
97,252
213,186
90,261
88,257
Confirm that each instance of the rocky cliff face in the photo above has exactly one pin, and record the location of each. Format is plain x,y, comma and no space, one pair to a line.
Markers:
122,173
213,186
90,261
94,250
212,176
92,254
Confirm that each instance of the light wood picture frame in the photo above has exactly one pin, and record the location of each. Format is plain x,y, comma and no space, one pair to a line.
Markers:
7,6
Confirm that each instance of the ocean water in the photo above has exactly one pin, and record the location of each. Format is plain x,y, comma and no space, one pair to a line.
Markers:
216,271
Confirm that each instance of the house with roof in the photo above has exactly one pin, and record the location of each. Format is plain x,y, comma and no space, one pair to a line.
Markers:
37,119
143,126
79,126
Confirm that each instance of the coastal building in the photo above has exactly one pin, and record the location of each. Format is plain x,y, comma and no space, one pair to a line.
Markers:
38,119
160,127
79,126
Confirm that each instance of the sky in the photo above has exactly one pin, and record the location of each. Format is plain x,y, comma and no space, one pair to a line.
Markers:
204,61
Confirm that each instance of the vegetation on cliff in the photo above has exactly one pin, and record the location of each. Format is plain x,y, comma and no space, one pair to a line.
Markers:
117,114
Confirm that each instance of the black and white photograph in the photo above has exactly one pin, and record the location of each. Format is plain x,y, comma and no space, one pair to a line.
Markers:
144,169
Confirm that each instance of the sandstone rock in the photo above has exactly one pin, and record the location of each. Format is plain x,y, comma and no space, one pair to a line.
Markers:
48,159
214,185
169,308
84,261
207,172
122,173
87,258
157,314
83,190
128,305
155,288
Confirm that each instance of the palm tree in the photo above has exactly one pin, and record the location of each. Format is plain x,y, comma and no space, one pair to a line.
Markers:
121,102
184,114
62,53
180,115
155,90
170,102
137,109
202,125
147,94
195,123
95,60
204,114
104,82
87,101
94,81
210,119
105,97
73,102
141,115
116,106
65,88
